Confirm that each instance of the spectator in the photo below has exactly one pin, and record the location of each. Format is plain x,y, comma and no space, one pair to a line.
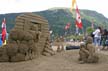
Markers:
97,36
105,40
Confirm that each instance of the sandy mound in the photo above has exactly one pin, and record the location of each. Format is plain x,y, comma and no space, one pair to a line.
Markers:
64,61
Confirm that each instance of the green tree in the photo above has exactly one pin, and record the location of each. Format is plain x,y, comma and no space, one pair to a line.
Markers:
89,30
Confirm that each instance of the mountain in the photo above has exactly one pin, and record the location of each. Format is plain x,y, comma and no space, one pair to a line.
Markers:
59,17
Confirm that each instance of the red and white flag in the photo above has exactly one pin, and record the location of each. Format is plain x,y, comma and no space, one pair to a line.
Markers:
3,30
67,26
78,18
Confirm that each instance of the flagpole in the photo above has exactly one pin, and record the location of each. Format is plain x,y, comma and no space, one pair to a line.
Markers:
83,31
92,24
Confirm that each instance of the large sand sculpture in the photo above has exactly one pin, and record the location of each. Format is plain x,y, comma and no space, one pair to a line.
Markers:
29,39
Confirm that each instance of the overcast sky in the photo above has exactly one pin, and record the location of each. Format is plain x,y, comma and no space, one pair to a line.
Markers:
13,6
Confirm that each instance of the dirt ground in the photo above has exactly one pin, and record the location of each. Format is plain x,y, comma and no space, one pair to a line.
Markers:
63,61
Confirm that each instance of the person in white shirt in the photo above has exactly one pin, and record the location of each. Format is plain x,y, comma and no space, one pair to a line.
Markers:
97,36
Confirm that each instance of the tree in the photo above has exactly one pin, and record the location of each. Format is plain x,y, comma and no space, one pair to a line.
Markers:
89,30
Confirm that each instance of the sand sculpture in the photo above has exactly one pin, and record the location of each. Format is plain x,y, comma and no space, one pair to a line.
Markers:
87,52
59,42
29,39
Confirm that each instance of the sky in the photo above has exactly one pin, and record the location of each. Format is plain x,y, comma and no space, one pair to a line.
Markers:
16,6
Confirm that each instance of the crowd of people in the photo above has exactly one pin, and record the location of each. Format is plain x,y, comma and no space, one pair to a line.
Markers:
100,38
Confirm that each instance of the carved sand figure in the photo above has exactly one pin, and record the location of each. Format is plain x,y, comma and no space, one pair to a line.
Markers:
29,39
60,44
87,52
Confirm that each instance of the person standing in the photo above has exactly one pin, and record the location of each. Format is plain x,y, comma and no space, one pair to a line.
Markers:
97,36
105,39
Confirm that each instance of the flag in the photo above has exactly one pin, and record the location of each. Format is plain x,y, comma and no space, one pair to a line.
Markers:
4,31
67,26
73,3
78,18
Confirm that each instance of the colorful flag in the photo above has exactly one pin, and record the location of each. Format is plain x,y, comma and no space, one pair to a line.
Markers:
67,26
73,3
4,31
78,18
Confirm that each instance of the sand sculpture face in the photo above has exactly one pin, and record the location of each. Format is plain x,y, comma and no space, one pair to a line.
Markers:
28,39
89,40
